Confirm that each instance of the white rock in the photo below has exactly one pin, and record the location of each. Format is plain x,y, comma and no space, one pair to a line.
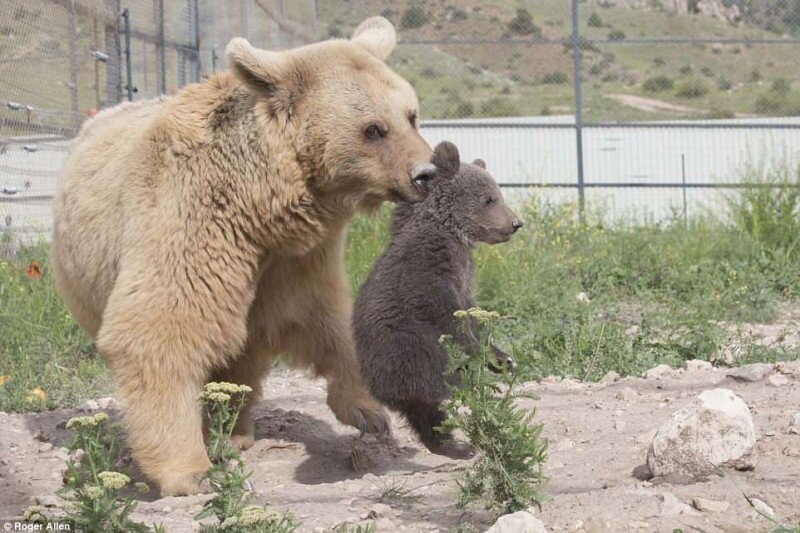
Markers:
609,378
658,372
715,428
753,372
108,403
710,506
46,447
694,365
670,505
582,297
762,508
90,405
519,522
777,380
794,425
381,509
627,394
564,445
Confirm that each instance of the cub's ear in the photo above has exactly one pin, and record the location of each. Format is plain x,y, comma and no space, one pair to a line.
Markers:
480,163
259,70
377,36
446,158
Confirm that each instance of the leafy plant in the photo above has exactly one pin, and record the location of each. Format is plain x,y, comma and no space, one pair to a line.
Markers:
507,475
230,503
658,84
522,24
414,17
691,88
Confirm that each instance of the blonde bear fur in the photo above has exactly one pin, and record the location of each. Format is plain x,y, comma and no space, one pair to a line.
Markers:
200,236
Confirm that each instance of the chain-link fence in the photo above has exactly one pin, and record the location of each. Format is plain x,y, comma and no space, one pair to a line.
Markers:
642,107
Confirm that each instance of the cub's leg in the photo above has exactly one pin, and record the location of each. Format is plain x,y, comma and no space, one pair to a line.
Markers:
424,418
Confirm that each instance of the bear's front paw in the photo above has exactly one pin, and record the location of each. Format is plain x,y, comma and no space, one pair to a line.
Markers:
369,420
184,484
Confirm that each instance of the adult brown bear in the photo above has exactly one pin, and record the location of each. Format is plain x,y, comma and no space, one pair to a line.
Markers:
199,236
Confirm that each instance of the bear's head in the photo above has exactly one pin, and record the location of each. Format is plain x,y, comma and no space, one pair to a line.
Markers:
469,200
353,121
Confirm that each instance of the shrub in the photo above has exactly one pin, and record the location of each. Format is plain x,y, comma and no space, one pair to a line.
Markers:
720,113
658,84
508,471
555,78
499,107
691,88
781,85
616,35
522,24
595,21
755,75
414,17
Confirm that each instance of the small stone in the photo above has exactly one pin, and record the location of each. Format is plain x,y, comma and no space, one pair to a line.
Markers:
752,372
670,505
521,521
794,424
381,509
47,500
658,372
769,432
550,379
698,365
46,447
619,425
384,524
777,380
638,525
167,509
710,506
90,405
107,403
609,378
627,394
791,451
564,445
762,508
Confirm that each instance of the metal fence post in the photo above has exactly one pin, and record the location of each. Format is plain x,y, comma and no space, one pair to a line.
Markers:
576,73
194,35
113,71
161,68
128,74
73,65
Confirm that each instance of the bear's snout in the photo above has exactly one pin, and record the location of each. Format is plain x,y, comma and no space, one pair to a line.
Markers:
516,225
421,174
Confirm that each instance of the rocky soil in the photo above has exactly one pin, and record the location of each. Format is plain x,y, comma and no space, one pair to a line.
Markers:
599,438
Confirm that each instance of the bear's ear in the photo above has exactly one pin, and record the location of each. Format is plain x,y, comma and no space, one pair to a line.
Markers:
377,36
480,163
446,158
260,70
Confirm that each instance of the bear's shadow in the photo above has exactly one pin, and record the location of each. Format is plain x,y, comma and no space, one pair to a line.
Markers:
329,452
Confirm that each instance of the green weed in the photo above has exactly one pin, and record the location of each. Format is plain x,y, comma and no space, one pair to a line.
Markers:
507,474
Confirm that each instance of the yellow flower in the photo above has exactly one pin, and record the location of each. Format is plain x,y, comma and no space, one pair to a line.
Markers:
113,480
33,513
4,379
36,395
93,492
141,487
227,388
87,421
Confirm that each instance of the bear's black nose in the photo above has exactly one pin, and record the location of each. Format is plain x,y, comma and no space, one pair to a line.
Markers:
516,224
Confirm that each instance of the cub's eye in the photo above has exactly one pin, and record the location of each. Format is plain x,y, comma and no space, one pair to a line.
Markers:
489,201
412,119
374,131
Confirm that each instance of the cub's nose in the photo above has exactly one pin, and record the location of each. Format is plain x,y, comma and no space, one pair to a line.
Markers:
516,225
422,173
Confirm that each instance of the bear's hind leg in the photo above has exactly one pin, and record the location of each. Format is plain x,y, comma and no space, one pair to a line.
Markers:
249,369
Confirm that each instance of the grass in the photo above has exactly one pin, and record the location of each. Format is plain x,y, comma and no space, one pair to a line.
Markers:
654,293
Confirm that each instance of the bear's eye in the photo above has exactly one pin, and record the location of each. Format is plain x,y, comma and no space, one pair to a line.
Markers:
374,131
412,118
488,201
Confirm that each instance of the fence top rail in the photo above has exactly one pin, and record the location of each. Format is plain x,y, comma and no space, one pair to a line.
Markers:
608,125
566,40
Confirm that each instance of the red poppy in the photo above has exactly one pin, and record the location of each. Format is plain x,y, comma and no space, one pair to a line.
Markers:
34,270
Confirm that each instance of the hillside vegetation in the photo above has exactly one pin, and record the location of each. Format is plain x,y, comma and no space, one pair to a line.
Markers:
507,58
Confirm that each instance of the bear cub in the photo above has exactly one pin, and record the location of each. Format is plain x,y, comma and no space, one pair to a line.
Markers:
423,277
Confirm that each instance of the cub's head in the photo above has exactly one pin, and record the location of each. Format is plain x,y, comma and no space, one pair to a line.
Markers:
354,120
469,198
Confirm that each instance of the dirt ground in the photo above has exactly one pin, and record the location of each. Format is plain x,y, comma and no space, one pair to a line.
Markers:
598,436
